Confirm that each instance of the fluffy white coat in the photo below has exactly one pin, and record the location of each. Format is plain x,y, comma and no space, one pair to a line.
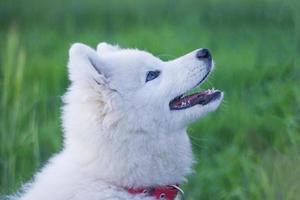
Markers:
119,131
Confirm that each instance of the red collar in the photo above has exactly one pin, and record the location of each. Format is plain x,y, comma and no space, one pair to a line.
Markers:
160,193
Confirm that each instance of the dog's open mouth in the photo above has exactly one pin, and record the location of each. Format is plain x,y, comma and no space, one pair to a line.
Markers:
186,101
190,98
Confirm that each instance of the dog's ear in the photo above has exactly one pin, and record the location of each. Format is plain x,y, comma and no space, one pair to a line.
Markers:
84,62
104,47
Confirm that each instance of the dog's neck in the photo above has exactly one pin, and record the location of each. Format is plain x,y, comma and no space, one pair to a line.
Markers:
137,162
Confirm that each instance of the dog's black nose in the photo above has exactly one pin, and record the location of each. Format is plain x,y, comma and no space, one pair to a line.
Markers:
203,54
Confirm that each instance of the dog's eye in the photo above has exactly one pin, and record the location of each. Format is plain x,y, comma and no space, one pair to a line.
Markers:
152,75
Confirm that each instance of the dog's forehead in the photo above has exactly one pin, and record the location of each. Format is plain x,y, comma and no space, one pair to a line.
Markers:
133,59
134,54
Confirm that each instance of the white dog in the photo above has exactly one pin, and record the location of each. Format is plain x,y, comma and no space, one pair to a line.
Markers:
124,121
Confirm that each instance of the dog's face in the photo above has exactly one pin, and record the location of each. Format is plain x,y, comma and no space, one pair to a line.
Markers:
146,89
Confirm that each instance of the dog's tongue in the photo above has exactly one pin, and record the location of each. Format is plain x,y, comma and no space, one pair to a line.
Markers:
202,98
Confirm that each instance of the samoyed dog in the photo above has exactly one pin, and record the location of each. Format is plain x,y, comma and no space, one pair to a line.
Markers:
124,120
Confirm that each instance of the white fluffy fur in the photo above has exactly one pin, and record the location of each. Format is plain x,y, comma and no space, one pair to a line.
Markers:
118,130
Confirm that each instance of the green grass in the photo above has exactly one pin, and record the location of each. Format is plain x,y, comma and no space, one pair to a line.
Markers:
248,149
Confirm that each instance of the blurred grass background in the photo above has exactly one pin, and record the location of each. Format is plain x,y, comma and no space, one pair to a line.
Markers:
248,149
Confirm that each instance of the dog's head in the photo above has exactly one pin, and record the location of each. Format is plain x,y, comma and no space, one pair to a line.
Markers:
126,112
146,91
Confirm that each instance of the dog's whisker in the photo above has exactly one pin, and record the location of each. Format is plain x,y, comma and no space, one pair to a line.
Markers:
198,139
198,146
